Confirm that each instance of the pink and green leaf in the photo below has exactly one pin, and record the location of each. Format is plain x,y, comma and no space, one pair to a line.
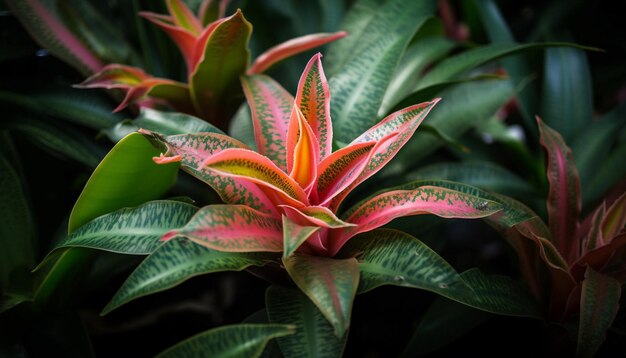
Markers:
249,165
52,34
214,81
184,39
211,10
600,257
330,284
302,151
290,48
295,235
315,215
183,17
385,207
615,219
313,100
598,308
564,195
271,107
232,228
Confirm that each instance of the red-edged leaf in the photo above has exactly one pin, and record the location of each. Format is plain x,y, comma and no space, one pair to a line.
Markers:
193,149
600,257
302,151
271,106
115,76
183,17
330,283
211,10
184,39
295,235
232,228
593,237
423,200
54,36
315,215
403,123
313,99
214,82
290,48
249,165
615,219
598,308
564,196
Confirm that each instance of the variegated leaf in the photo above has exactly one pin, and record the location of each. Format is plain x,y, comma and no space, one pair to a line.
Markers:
314,337
183,17
315,215
303,151
271,108
185,40
615,219
330,283
232,228
176,261
295,235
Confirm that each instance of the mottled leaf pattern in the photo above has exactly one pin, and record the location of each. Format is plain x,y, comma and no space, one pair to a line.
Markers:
242,340
295,235
176,261
314,337
330,283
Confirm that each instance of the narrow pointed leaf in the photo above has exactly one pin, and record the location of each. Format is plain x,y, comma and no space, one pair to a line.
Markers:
329,283
183,17
232,228
211,10
184,39
290,48
600,258
316,215
134,231
271,108
564,196
368,61
314,335
115,76
302,151
48,30
176,261
313,100
598,308
615,218
295,235
242,340
423,200
249,165
214,82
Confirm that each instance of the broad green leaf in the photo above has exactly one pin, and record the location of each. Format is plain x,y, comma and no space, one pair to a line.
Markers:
17,236
176,261
564,204
127,176
314,335
599,303
462,107
567,104
131,230
295,235
47,29
241,127
485,175
367,60
234,341
329,283
232,228
214,82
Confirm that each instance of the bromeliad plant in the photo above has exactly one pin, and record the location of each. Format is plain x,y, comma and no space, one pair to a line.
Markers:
215,50
573,267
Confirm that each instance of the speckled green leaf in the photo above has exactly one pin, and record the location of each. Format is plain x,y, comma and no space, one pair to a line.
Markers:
176,261
314,337
235,341
598,307
329,283
294,235
367,60
131,230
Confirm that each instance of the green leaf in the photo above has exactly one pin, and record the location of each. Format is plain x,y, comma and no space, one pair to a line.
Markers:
176,261
214,83
242,340
330,283
314,335
126,177
367,60
134,231
485,175
598,307
17,236
609,174
241,127
567,104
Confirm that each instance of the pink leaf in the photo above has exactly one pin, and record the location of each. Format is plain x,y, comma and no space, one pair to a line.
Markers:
183,38
313,99
601,257
385,207
271,108
295,235
232,228
314,215
290,48
564,195
183,17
